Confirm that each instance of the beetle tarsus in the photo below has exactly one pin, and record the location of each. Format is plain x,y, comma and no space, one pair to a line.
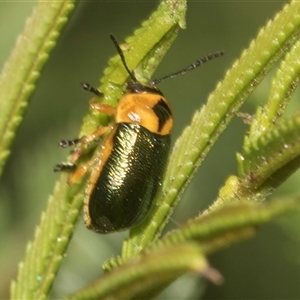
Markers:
89,88
68,143
64,167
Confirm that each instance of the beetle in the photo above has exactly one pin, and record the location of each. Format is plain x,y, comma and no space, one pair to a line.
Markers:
128,167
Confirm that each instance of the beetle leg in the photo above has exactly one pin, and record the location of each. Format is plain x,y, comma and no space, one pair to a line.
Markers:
64,167
68,143
87,87
83,168
103,108
87,139
79,172
85,142
76,173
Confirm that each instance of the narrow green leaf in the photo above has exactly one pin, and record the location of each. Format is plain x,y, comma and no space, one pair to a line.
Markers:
209,122
219,228
44,255
271,159
266,119
283,86
18,79
20,73
139,277
142,276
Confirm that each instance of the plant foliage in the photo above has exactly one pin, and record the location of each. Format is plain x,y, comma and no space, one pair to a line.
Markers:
149,261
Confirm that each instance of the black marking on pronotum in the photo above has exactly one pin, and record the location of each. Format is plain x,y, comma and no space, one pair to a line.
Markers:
163,113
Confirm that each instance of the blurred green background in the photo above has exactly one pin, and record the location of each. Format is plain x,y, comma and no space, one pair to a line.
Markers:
265,267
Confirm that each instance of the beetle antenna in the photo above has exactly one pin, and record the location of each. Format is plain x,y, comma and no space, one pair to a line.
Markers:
117,45
190,67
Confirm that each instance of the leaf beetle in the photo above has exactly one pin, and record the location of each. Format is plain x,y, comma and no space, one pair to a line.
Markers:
128,166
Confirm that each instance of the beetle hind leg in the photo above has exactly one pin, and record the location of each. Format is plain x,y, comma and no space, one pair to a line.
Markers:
76,173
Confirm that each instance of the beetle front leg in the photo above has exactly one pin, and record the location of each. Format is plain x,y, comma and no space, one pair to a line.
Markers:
89,88
103,108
